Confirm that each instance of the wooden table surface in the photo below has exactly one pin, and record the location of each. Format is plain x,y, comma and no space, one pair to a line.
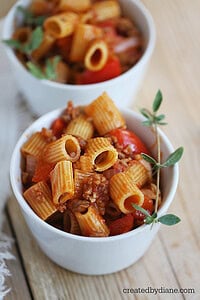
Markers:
173,260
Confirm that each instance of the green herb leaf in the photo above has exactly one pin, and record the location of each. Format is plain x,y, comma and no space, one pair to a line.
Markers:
35,70
148,158
161,123
25,12
145,113
144,211
169,219
173,157
149,220
29,18
160,117
13,44
147,123
35,40
51,65
157,101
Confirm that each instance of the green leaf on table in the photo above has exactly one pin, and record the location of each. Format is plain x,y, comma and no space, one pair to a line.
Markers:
169,219
157,101
173,157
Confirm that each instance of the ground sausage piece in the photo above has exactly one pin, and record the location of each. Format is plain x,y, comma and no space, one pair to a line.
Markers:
95,190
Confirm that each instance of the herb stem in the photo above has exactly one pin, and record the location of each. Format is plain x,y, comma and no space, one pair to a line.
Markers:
158,171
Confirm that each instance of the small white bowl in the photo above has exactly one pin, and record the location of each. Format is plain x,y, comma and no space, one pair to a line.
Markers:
88,255
44,95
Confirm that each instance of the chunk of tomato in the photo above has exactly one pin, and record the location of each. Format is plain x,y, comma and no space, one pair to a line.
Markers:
147,205
57,127
122,225
129,138
111,70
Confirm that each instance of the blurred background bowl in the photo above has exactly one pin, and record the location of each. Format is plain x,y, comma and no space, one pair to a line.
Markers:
44,95
88,255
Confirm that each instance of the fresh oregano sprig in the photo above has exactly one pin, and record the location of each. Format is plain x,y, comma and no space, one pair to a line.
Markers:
154,120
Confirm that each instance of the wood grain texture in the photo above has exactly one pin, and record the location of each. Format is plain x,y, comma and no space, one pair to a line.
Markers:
173,261
17,279
5,6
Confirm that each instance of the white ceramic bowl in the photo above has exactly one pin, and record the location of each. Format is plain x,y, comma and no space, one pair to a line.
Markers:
44,95
88,255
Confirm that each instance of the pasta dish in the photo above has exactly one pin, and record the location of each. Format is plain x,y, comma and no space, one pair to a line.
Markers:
76,42
83,174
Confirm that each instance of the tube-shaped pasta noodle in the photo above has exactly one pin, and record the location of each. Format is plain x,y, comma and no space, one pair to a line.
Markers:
138,174
79,177
39,198
62,182
104,10
105,114
86,163
91,223
82,37
61,25
35,145
44,47
65,148
70,223
101,154
80,127
42,7
96,55
62,72
22,34
74,5
124,192
86,17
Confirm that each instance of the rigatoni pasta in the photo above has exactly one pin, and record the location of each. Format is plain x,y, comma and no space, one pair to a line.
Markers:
81,127
96,55
124,191
65,148
101,154
61,25
105,10
91,223
77,6
90,172
105,114
39,198
82,37
35,145
62,182
138,174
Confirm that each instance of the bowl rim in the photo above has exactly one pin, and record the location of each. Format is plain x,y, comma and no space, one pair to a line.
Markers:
24,205
8,21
